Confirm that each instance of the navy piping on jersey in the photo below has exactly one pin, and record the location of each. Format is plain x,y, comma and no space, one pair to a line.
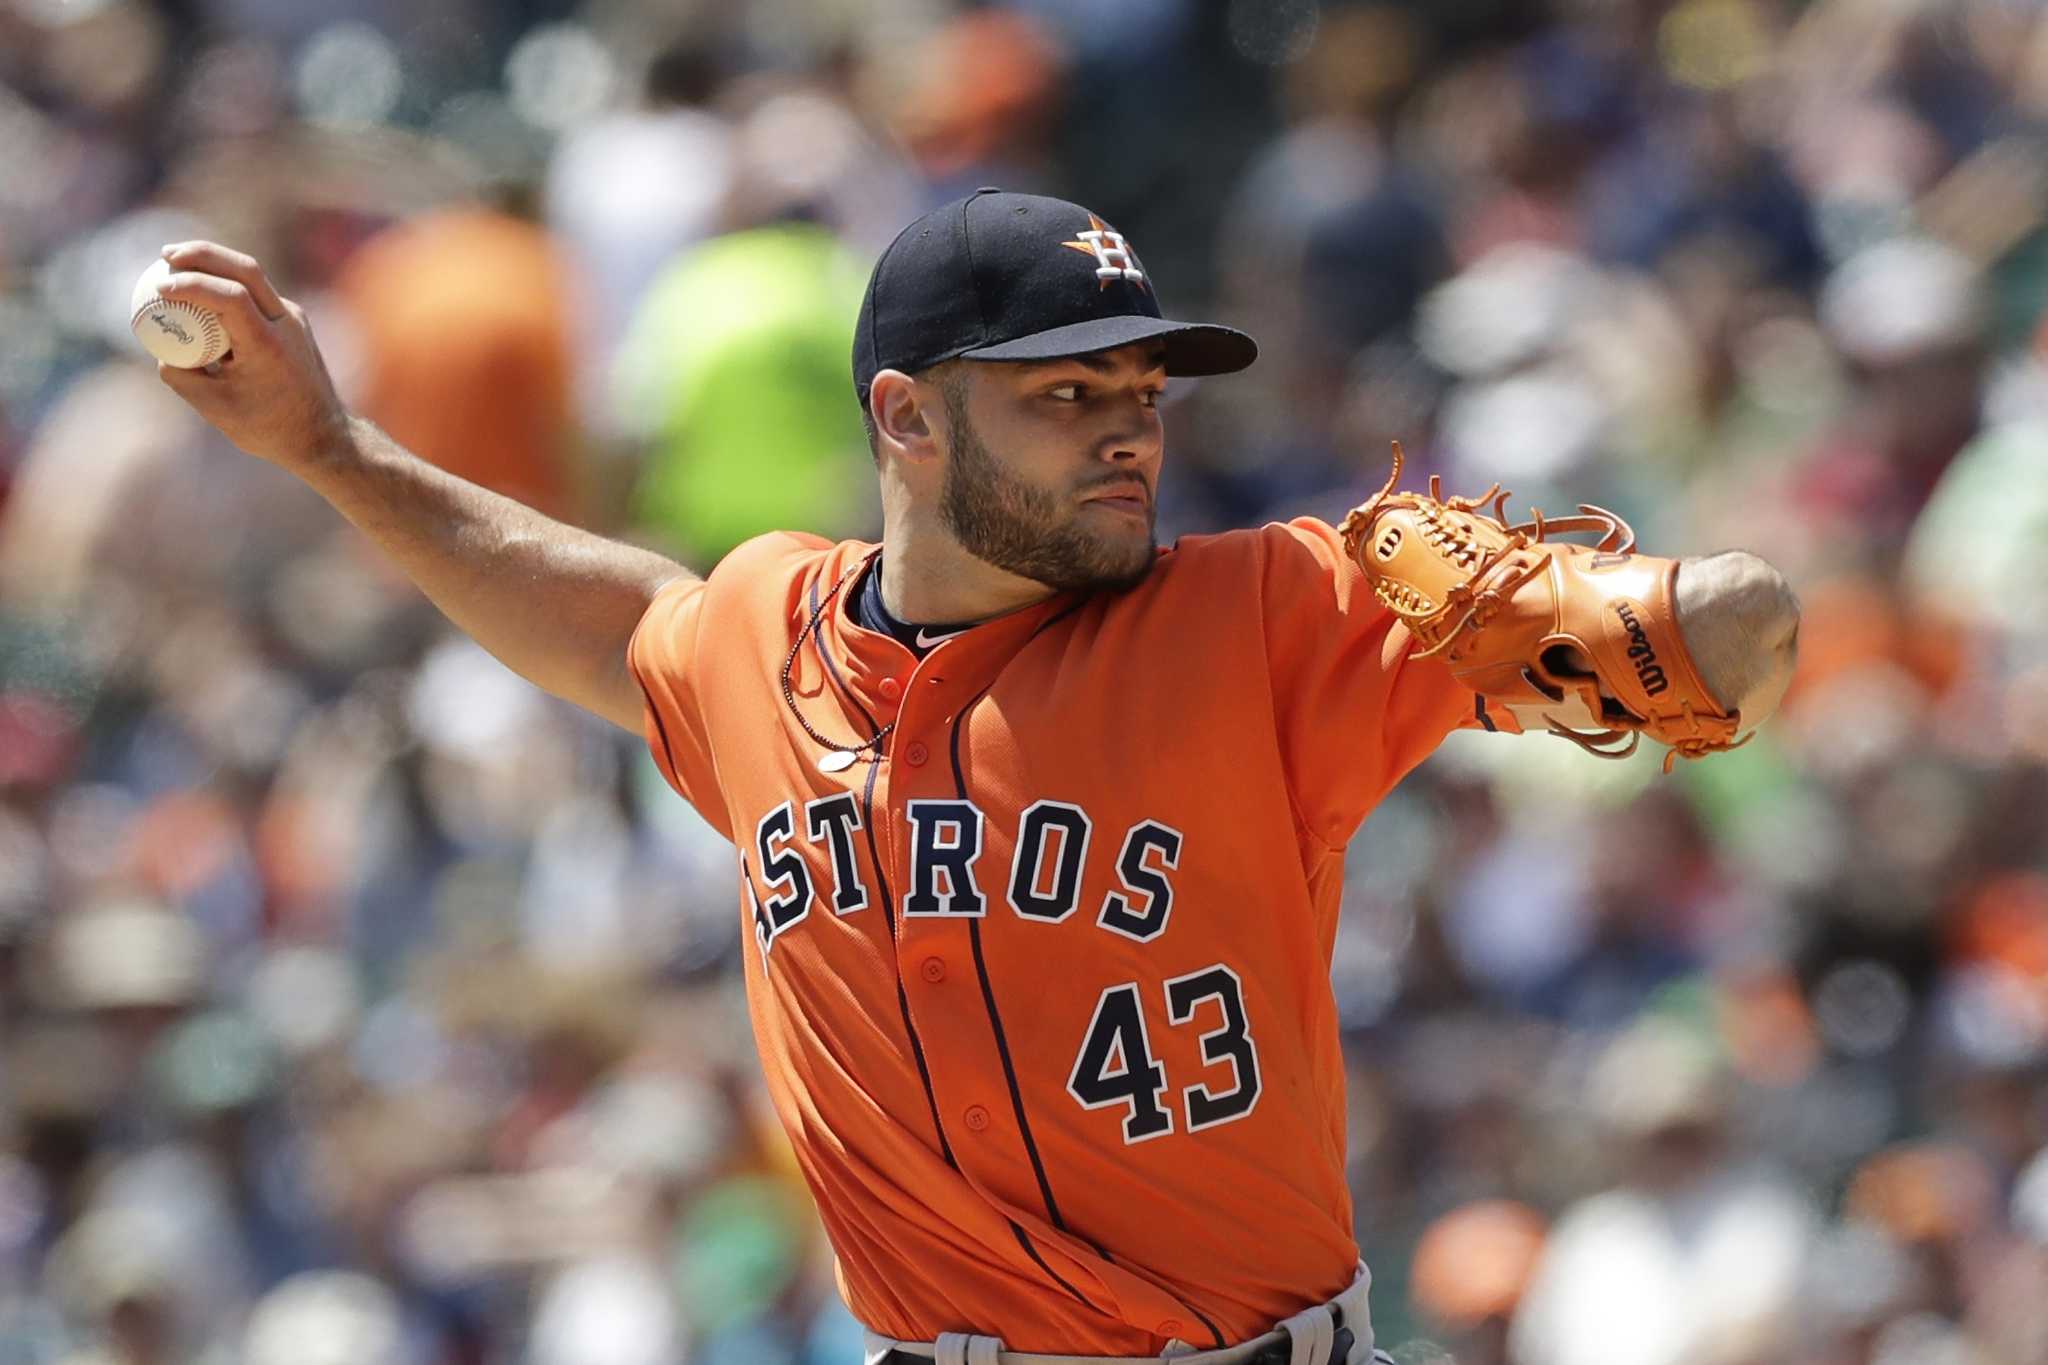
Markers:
867,819
902,1001
988,996
996,1022
995,1018
1479,710
1024,1240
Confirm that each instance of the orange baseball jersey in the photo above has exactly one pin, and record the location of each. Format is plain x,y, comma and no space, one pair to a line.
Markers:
1043,994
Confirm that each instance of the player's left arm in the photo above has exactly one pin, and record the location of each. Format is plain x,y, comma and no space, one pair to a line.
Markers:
1598,643
1740,619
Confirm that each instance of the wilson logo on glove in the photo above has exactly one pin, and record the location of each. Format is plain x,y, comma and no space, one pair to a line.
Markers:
1640,653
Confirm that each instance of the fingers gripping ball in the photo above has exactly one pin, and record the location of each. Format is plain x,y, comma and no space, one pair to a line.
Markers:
174,331
1515,615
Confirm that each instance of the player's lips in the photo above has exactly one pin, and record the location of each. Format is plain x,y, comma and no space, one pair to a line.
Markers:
1130,499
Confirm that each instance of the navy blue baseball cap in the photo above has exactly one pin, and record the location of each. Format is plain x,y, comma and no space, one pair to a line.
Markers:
1001,276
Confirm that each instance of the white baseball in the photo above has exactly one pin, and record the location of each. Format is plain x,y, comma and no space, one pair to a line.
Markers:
175,332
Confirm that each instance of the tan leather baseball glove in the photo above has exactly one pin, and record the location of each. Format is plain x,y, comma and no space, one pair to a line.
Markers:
1520,618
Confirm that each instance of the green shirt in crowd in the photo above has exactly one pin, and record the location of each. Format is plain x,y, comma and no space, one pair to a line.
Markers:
737,372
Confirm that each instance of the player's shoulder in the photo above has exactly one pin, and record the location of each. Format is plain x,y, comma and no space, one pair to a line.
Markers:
1293,570
773,560
766,584
1279,549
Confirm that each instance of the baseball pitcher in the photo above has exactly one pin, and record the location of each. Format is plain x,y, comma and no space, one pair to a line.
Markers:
1039,825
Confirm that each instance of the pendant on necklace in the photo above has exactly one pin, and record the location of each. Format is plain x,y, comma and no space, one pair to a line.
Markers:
838,761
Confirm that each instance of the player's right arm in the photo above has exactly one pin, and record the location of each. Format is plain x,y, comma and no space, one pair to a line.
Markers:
555,604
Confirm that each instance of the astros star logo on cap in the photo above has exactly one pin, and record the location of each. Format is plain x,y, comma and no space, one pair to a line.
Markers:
1114,258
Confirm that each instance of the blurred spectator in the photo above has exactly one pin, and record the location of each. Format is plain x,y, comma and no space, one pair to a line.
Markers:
628,191
1937,1205
80,478
1909,318
465,322
1471,1269
982,105
330,1316
736,377
1966,558
1692,1257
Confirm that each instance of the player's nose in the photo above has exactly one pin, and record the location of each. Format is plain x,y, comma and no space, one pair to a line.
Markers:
1134,437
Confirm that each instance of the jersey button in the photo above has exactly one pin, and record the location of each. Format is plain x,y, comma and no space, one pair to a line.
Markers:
889,688
934,969
914,753
977,1118
1170,1328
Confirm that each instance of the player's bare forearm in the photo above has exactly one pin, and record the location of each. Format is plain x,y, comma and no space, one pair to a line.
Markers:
1740,619
555,604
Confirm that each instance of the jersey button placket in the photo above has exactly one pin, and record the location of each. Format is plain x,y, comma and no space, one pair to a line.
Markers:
976,1118
933,969
889,688
915,754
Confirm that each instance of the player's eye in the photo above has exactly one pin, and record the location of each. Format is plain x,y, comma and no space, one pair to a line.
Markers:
1150,397
1065,393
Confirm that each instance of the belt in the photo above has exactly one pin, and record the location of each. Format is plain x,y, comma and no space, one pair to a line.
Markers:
1314,1336
1272,1353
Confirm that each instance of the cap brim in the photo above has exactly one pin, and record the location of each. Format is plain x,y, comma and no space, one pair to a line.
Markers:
1192,348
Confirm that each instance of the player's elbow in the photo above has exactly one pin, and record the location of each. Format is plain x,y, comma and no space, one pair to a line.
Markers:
614,695
1740,619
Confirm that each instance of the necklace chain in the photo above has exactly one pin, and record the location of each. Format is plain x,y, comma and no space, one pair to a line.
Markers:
870,749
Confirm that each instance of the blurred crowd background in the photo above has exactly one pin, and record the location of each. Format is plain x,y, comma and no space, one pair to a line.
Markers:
359,1004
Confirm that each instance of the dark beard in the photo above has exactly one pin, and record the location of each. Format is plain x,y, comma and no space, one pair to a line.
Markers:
1003,521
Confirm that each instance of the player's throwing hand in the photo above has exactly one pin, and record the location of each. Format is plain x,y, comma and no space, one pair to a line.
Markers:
270,395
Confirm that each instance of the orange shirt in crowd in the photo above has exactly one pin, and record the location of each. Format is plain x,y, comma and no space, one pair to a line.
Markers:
465,329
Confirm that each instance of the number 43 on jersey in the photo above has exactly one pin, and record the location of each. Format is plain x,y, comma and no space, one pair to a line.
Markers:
1116,1066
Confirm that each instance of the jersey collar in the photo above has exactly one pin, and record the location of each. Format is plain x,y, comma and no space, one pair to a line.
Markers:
865,657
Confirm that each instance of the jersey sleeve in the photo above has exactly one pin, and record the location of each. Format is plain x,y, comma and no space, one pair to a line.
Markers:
1355,712
663,658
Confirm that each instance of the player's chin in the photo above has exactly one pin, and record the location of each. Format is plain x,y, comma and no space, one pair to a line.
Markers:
1122,560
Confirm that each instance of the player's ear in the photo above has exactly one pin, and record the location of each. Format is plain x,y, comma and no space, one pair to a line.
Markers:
902,413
